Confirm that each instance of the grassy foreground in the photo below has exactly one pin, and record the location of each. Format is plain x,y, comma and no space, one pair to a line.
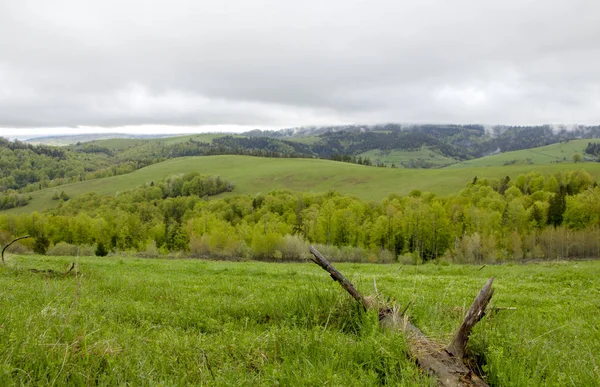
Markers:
176,322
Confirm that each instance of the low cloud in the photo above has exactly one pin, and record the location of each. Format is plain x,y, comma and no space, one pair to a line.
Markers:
270,64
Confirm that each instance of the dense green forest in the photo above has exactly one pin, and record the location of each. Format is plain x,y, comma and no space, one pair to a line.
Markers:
530,217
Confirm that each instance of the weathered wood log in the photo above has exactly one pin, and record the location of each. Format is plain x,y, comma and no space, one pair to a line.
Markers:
449,370
13,241
476,311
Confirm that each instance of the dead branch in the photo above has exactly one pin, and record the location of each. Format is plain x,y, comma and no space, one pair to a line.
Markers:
337,276
433,358
70,269
13,241
475,313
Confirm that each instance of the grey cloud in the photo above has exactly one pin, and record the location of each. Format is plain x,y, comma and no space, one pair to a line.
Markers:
278,63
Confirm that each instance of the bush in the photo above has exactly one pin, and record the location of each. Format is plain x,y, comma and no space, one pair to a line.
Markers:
409,259
20,247
293,248
87,251
264,246
385,256
63,249
243,251
199,246
101,250
67,249
41,244
151,250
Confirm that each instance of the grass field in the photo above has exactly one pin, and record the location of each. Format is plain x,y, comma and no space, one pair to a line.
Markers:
398,157
309,140
120,144
252,175
127,321
117,144
556,153
205,137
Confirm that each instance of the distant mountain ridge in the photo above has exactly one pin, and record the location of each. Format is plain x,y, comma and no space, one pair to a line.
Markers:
68,139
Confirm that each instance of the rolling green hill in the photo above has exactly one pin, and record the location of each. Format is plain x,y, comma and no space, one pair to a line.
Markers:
256,174
423,157
556,153
120,144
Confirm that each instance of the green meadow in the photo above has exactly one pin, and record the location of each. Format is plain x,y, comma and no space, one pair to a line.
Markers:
561,152
397,157
120,144
129,321
252,175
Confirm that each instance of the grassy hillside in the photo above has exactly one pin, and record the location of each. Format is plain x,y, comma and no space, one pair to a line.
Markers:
310,140
205,138
414,159
127,321
120,144
556,153
255,174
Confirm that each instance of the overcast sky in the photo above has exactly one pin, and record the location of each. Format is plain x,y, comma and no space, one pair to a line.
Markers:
233,65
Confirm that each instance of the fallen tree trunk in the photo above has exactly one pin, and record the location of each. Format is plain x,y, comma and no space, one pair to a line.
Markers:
54,272
448,367
13,241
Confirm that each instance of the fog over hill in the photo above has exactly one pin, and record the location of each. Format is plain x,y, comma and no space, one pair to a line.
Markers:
269,64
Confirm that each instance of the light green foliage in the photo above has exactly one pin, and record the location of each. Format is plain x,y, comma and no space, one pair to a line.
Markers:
310,140
583,209
186,322
478,224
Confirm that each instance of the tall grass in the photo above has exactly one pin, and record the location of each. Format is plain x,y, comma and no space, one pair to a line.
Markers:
133,321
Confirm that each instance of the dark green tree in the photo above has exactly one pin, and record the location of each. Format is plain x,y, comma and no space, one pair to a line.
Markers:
101,250
41,244
557,207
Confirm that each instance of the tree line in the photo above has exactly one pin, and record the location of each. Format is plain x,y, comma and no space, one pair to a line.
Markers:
530,217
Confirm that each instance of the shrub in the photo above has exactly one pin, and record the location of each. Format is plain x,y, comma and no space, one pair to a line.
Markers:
101,250
151,251
63,249
20,247
199,246
67,249
41,244
87,250
409,259
385,256
293,248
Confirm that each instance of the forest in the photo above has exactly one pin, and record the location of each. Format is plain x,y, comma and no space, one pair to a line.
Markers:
531,217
